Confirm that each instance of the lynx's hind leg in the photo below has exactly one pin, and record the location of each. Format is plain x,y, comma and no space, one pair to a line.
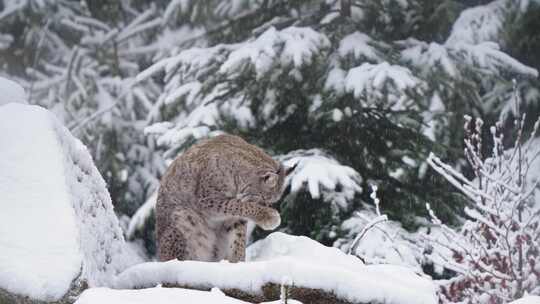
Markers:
187,238
236,251
172,245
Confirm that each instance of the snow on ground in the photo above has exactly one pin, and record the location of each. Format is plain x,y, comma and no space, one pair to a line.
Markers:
57,222
527,300
10,91
154,295
300,260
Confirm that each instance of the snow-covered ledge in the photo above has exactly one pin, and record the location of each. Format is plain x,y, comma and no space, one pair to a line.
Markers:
316,274
58,230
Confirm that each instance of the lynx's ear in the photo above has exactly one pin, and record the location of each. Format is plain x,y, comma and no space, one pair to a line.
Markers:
289,170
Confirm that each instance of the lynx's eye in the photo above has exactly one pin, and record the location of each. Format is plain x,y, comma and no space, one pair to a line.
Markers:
270,179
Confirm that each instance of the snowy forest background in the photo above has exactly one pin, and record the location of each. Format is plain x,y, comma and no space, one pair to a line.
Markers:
358,93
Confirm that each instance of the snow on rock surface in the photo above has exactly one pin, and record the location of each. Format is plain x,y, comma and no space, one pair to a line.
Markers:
57,222
10,91
38,230
303,262
279,244
154,295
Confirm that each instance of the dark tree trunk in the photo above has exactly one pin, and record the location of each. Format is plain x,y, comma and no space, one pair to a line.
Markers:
345,8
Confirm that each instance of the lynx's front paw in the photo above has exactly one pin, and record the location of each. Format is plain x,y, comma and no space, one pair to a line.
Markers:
269,219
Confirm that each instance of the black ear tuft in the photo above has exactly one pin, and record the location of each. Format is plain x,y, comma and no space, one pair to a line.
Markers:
289,170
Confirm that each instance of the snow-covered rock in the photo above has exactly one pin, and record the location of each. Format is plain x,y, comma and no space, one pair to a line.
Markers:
57,225
10,91
302,263
154,295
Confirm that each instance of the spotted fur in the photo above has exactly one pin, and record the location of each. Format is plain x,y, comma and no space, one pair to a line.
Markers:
209,193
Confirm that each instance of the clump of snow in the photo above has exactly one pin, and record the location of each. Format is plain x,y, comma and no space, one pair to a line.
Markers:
335,81
453,57
371,77
279,244
428,57
359,45
154,295
299,260
368,80
479,24
10,91
321,174
292,46
57,221
487,55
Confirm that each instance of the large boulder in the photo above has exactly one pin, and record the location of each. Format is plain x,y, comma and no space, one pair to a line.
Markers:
58,230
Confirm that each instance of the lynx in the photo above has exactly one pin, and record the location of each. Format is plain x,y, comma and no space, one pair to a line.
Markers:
209,193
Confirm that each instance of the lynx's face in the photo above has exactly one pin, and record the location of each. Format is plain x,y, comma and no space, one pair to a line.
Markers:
270,183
